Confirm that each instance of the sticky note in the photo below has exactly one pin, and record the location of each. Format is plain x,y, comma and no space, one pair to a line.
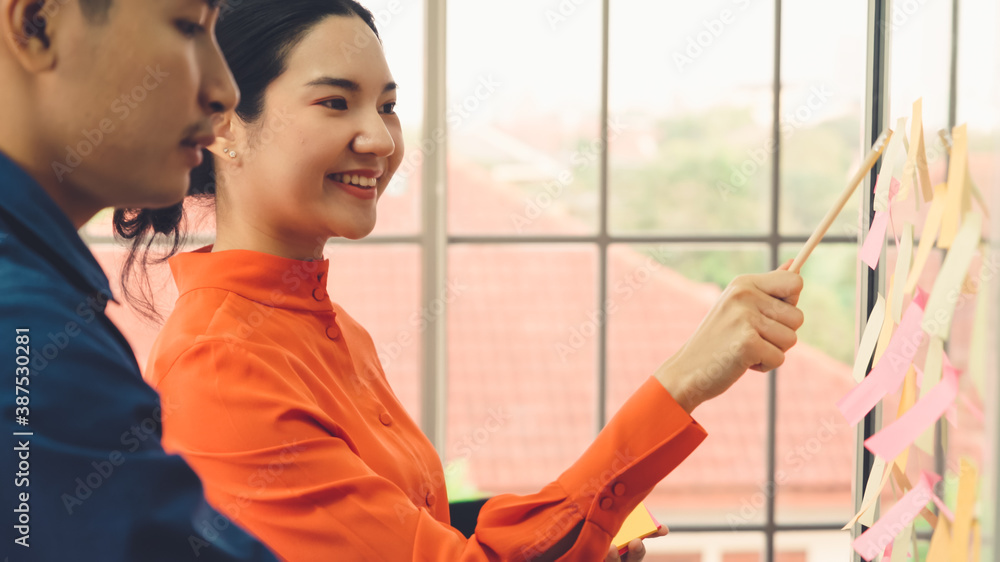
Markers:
889,372
957,170
940,546
638,525
977,541
902,546
878,536
941,304
927,237
893,161
885,335
868,339
933,365
903,257
967,481
872,248
906,402
916,157
977,341
904,483
897,436
877,479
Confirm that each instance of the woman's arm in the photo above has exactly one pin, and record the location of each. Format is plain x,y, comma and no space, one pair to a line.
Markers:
269,462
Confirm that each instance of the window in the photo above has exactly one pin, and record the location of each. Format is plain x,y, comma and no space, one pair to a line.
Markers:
607,168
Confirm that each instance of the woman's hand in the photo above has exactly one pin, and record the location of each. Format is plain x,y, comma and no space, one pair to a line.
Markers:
751,326
636,550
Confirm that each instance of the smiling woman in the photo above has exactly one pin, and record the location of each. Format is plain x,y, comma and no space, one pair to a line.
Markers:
277,396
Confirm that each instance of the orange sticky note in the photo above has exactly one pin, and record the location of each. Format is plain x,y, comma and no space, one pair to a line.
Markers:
967,480
931,227
906,402
957,171
916,158
940,543
638,525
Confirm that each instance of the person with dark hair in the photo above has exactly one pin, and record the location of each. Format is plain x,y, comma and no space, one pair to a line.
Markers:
278,399
103,104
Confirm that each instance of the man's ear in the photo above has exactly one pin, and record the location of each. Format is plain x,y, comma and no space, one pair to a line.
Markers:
28,27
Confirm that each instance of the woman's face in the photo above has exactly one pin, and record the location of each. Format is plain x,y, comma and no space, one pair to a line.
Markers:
329,141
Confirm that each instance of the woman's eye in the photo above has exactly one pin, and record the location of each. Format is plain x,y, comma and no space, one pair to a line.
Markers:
188,28
338,103
389,108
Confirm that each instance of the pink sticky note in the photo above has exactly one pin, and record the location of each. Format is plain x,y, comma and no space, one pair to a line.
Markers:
881,534
943,508
889,372
898,435
872,249
894,186
972,408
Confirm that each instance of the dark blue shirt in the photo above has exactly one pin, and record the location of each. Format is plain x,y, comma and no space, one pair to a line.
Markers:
84,475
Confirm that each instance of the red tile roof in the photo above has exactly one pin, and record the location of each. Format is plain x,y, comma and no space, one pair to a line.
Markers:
513,358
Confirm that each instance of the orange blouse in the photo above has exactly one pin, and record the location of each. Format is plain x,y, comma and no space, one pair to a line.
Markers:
277,399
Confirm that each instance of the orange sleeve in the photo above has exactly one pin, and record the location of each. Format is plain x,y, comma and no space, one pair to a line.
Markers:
281,470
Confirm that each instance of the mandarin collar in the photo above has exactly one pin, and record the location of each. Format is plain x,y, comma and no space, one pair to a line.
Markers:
264,278
38,217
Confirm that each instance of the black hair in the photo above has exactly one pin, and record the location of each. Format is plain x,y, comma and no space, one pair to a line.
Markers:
256,37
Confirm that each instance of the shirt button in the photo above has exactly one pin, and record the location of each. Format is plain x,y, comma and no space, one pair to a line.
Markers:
332,332
607,503
430,499
618,489
385,418
319,294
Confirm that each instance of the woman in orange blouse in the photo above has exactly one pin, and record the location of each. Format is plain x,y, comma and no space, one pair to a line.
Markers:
275,395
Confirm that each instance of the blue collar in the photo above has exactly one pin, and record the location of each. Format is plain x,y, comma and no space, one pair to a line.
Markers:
45,228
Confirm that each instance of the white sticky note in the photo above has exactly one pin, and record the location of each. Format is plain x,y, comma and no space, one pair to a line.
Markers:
903,259
893,162
877,480
903,545
940,309
933,365
977,343
869,338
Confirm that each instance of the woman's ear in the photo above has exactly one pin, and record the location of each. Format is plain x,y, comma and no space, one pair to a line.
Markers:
28,27
225,136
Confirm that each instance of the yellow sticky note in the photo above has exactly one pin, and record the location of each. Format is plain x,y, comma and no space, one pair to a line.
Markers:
977,541
971,186
957,170
906,402
923,170
940,546
929,234
940,307
916,158
638,525
967,481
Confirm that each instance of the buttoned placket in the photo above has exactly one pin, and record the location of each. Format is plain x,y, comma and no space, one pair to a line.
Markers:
319,294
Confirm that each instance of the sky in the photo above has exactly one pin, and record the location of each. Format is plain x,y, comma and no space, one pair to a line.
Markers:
672,57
